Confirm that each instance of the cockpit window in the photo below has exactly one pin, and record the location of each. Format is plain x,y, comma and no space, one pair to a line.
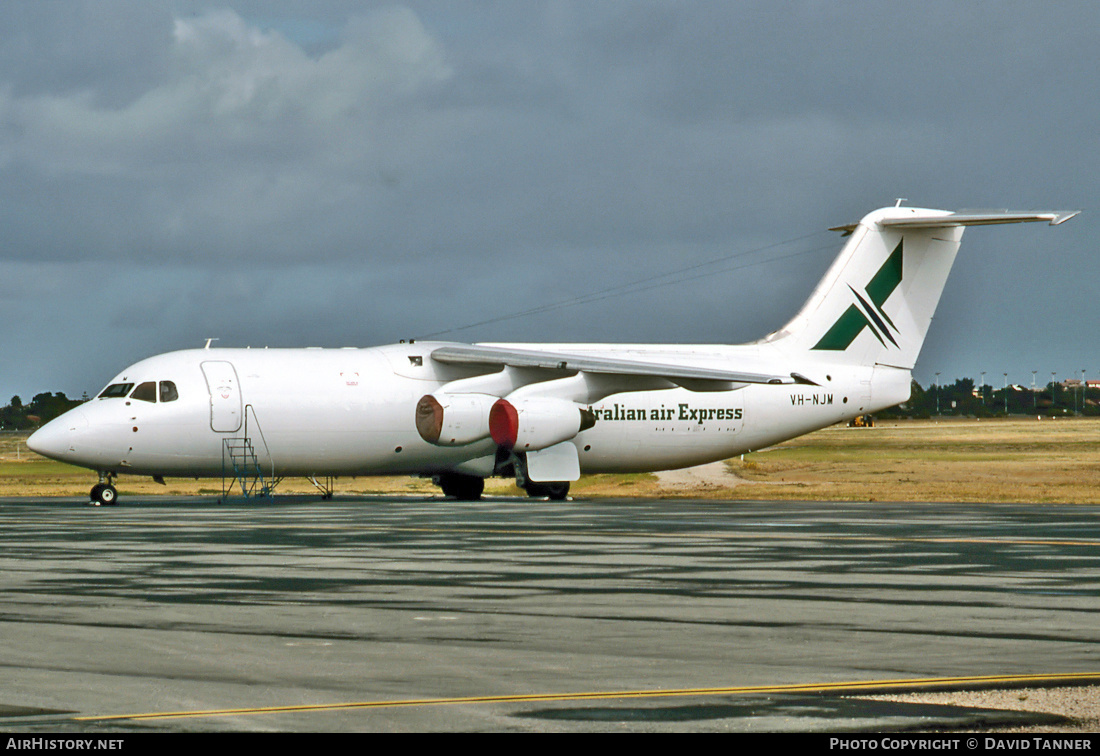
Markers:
146,392
168,391
116,391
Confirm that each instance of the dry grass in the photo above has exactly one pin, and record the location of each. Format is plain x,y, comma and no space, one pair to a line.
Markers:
1024,460
1013,460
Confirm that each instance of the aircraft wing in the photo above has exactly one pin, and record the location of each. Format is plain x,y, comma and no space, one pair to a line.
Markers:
475,354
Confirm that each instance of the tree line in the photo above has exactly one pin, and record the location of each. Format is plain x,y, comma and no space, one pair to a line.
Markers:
42,409
963,398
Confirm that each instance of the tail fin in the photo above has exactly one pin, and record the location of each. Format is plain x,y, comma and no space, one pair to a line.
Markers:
876,301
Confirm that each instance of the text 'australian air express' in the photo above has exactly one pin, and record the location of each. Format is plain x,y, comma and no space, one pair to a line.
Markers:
542,413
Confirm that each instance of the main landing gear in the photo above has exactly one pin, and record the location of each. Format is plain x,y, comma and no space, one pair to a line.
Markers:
470,487
552,491
462,487
104,493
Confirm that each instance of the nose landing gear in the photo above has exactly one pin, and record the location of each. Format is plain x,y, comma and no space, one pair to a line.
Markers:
104,493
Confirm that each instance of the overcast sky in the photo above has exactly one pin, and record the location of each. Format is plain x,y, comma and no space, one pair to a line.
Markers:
333,173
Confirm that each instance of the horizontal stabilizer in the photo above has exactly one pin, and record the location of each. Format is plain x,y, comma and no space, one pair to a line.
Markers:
1054,217
944,219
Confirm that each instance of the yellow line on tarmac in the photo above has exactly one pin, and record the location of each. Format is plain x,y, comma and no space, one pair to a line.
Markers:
961,683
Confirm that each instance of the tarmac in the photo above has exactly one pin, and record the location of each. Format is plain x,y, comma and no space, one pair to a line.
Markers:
423,614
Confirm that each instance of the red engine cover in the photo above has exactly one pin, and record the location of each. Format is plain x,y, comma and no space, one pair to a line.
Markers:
504,424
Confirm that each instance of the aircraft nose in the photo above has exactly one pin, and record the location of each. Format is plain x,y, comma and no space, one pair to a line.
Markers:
55,438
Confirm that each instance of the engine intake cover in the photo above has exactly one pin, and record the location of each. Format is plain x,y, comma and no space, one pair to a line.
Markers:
536,423
453,419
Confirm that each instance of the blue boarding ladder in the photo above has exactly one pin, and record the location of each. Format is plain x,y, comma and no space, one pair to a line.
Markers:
241,465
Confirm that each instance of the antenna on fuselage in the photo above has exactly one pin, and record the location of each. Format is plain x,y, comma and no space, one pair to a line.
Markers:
208,342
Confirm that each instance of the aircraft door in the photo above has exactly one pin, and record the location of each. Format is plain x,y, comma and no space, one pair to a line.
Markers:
225,396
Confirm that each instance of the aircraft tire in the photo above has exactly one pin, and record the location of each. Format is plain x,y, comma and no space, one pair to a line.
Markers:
552,491
105,494
462,487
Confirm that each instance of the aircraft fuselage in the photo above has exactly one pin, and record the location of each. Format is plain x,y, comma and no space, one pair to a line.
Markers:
350,412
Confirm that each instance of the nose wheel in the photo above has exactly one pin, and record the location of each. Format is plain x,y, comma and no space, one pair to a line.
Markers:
104,494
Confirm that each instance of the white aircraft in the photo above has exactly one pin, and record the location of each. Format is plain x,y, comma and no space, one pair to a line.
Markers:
543,413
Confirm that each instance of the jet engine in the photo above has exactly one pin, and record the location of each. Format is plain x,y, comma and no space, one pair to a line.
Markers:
537,423
453,419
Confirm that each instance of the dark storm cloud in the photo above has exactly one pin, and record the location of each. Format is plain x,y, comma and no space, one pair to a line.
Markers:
352,173
113,50
245,147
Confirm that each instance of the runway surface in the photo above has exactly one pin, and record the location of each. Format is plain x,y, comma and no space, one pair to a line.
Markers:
424,614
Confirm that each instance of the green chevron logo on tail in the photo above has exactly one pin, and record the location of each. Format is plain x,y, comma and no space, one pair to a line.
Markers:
866,311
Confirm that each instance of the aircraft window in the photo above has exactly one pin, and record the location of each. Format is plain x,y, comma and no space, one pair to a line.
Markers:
146,392
168,391
116,390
